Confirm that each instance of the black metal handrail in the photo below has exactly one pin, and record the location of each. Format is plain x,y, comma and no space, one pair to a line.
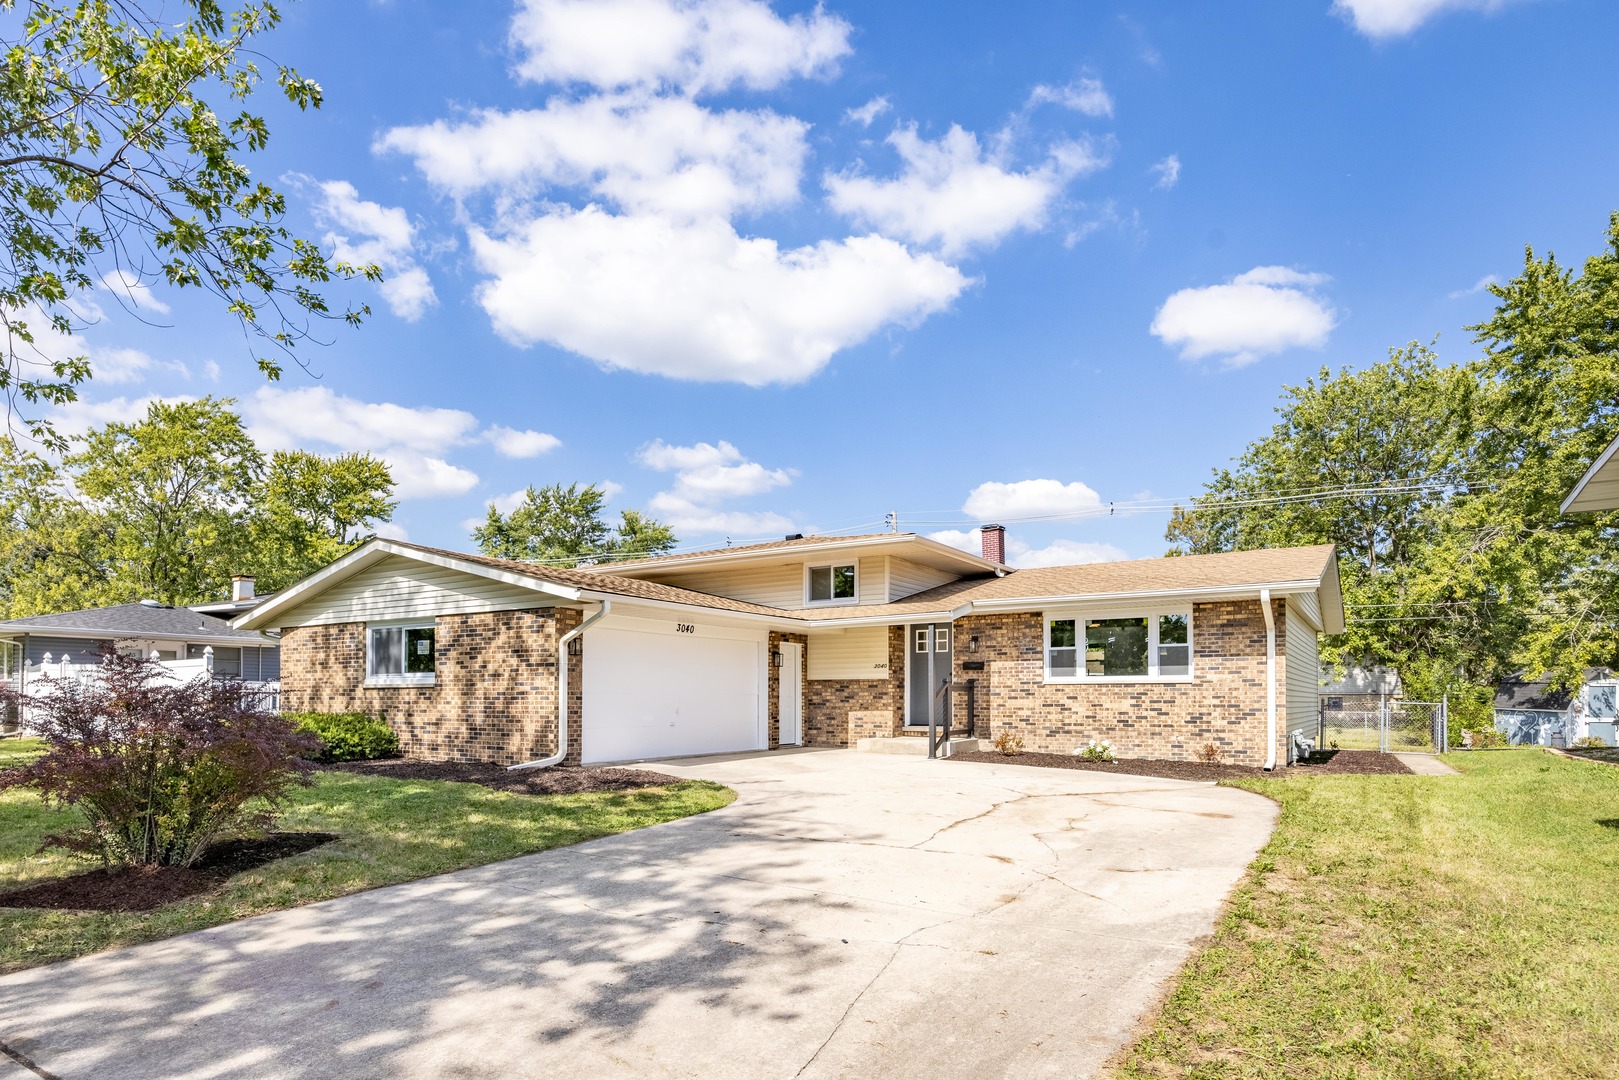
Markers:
938,737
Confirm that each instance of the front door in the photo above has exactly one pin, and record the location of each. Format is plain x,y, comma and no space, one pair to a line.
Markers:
927,674
790,708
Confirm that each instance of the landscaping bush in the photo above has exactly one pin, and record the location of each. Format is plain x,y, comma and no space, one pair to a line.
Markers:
160,770
1008,744
348,736
1096,750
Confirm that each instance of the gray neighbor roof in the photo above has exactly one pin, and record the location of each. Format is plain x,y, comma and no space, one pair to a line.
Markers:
133,621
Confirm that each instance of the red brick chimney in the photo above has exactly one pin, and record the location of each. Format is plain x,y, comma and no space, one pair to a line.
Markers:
994,540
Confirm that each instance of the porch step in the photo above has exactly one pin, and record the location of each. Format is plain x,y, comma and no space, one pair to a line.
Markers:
918,747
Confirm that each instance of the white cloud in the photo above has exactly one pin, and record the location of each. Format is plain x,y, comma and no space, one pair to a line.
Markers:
210,368
1167,171
130,289
706,475
694,45
865,114
511,443
1062,553
1025,499
390,530
697,301
1085,94
413,441
1395,18
1266,310
363,232
1021,555
1479,286
108,364
78,417
510,501
664,155
951,194
610,490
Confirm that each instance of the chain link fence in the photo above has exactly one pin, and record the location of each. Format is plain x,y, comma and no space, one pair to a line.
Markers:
1375,722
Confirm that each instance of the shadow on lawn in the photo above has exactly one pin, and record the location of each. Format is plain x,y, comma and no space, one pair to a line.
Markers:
573,946
1608,822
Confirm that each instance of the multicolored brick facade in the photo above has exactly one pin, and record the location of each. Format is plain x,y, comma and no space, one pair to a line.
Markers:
840,712
494,698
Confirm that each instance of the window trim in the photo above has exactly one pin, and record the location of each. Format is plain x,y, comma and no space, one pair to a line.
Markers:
836,601
1081,615
408,678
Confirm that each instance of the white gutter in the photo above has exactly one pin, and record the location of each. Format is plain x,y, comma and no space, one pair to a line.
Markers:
1270,680
562,693
1218,592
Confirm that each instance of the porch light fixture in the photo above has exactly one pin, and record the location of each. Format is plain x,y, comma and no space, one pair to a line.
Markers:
777,659
972,643
576,647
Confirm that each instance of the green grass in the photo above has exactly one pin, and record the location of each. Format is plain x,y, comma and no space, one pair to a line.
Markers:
1414,927
391,831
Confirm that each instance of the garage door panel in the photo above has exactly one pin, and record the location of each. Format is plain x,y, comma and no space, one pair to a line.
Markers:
665,695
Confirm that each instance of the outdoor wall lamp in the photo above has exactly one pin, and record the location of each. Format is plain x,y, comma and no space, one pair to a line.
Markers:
777,659
972,643
576,647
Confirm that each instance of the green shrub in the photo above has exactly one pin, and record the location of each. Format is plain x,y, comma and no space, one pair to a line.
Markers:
348,736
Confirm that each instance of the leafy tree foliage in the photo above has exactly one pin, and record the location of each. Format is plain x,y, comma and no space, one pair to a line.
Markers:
1442,485
168,507
564,526
124,133
160,770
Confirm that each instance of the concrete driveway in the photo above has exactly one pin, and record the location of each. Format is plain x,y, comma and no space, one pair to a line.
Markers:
851,915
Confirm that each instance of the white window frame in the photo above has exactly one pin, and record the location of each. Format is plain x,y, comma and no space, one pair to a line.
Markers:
1152,615
407,678
837,601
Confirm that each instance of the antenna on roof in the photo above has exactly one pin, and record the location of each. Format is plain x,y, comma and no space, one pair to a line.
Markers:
727,541
891,519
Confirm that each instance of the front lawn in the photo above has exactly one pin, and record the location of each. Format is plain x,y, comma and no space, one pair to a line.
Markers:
390,831
1406,926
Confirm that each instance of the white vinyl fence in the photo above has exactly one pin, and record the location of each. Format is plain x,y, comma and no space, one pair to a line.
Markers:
268,694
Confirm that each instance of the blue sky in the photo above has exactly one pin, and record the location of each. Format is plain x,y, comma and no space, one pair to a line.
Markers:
764,268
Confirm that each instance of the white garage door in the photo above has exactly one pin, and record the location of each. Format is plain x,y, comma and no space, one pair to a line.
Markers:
654,694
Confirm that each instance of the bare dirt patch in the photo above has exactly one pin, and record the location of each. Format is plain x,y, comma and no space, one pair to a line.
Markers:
1322,763
146,888
552,781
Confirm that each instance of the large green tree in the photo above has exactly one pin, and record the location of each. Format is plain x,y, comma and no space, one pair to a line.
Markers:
1441,486
125,135
565,526
169,506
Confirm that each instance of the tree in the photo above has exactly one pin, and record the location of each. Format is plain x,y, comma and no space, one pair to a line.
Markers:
564,526
310,510
169,507
116,163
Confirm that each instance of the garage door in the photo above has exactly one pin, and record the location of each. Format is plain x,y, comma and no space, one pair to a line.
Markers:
650,694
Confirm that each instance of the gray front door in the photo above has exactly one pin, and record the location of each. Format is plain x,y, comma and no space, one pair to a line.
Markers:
927,672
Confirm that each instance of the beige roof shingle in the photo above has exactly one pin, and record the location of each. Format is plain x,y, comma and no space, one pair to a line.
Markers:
740,549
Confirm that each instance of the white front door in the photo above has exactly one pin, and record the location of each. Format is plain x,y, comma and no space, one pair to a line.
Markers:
791,694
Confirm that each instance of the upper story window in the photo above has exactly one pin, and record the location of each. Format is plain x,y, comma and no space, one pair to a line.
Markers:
829,584
402,653
1132,648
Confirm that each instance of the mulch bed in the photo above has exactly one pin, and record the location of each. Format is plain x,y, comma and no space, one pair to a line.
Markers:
146,888
553,781
1322,763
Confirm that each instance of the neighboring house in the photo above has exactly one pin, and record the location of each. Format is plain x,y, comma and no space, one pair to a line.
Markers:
1598,489
1357,681
818,641
242,598
1534,714
172,633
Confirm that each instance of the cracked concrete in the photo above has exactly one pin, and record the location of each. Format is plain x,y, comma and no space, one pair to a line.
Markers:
851,915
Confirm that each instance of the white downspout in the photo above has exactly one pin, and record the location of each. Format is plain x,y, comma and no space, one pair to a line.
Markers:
562,693
1270,680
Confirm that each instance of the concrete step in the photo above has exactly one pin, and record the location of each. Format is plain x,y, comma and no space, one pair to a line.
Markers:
910,744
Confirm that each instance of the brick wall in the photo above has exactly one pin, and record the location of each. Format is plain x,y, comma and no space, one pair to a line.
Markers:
1223,705
838,712
495,698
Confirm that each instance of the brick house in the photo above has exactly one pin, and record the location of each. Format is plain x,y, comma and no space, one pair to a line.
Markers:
817,641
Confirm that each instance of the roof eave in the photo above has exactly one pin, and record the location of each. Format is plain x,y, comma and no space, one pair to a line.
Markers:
712,558
1215,592
1601,464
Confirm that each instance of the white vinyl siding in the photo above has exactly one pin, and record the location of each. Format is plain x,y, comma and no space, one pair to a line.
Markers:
780,585
405,589
871,580
1307,605
856,653
906,578
1303,664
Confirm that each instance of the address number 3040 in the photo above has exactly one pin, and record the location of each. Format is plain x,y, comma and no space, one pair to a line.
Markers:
685,628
